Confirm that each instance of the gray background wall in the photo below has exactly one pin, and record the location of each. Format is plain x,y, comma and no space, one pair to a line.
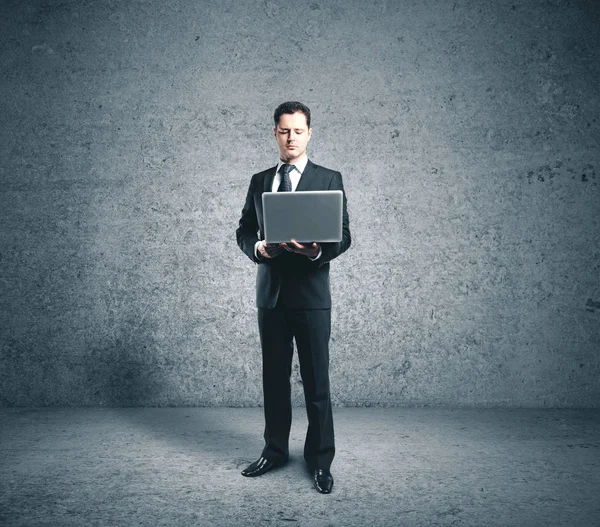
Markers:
467,133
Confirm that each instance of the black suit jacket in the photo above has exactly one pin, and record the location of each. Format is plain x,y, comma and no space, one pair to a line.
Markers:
297,281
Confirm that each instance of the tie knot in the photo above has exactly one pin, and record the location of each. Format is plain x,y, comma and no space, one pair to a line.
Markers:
286,169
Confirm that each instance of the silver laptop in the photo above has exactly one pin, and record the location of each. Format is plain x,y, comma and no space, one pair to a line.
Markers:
305,216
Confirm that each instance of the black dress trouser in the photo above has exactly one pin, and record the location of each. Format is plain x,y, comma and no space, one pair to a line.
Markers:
311,329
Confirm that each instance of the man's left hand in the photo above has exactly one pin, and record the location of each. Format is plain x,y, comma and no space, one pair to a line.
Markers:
308,249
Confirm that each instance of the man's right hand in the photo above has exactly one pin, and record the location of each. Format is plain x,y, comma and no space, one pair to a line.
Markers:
269,250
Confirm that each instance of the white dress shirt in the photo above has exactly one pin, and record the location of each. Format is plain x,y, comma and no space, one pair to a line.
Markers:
295,175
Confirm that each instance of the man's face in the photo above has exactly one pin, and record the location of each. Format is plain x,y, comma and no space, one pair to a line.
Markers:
292,135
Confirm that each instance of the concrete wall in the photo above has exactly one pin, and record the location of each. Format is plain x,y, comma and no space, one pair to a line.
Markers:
467,133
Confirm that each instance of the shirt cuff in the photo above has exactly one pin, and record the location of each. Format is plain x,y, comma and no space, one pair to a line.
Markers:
318,255
258,256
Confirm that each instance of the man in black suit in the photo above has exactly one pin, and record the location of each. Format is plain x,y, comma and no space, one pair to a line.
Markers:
294,301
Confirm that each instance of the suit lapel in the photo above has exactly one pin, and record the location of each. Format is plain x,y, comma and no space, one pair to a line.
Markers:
309,179
268,185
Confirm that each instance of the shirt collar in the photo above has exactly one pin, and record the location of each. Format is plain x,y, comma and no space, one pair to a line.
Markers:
300,164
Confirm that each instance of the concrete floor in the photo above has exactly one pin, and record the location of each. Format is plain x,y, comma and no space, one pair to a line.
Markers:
181,466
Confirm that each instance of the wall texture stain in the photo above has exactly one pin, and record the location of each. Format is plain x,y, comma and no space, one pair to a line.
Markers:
591,305
467,133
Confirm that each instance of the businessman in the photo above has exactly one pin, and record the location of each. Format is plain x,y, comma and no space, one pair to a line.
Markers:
294,302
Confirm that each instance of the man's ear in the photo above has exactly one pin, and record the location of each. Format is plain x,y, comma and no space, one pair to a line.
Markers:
309,133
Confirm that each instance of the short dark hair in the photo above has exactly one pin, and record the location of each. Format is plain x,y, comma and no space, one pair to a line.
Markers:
292,107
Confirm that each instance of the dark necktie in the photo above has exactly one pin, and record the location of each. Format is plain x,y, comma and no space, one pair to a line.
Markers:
286,182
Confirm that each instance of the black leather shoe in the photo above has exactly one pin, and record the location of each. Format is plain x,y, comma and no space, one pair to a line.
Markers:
323,480
259,467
